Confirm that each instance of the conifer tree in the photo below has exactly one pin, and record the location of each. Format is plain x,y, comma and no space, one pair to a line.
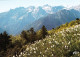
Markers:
5,41
43,31
24,35
32,34
77,18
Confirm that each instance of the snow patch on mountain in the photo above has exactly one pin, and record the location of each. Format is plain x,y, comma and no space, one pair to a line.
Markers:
48,9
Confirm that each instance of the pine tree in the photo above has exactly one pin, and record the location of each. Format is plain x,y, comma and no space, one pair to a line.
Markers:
32,35
43,31
5,41
29,35
77,18
24,35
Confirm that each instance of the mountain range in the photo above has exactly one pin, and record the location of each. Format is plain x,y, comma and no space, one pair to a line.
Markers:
54,20
18,19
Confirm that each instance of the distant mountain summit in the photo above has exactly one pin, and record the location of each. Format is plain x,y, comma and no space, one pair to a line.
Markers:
51,10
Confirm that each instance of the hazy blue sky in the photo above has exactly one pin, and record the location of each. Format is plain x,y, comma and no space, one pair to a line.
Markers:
6,5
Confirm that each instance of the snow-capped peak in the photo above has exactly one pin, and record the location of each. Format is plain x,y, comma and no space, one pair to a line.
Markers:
48,9
30,9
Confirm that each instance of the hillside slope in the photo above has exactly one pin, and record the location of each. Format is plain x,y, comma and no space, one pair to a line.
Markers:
65,43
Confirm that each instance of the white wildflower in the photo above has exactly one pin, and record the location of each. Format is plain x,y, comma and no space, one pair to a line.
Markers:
49,42
53,39
75,52
47,48
52,55
34,51
69,42
36,47
21,53
33,48
27,49
53,45
43,55
42,43
13,56
40,52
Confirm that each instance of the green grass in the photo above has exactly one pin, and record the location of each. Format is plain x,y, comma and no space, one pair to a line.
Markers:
65,43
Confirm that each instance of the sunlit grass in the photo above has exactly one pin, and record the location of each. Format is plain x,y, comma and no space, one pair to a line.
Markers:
65,43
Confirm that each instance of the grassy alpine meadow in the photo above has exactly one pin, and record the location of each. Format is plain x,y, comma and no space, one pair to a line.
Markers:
65,43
